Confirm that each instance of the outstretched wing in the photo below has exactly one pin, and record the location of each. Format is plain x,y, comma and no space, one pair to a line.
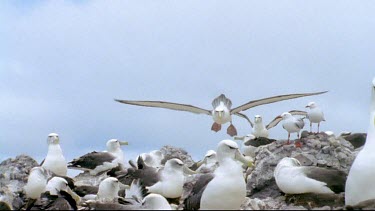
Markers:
244,116
271,100
277,119
167,105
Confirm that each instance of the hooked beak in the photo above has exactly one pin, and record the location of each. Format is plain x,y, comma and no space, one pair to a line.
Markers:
188,171
123,143
242,159
201,162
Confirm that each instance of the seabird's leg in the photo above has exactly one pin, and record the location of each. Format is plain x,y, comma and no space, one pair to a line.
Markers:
216,127
318,126
288,138
298,135
310,127
231,130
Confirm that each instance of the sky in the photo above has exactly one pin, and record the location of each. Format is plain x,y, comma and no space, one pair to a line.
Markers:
63,62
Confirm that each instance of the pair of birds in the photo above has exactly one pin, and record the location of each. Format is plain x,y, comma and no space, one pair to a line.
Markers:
222,111
94,162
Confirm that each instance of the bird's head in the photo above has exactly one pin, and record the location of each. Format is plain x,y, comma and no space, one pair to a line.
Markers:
311,105
229,149
155,201
285,115
53,138
258,119
114,144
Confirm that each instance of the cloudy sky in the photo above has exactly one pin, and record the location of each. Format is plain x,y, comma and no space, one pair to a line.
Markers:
63,62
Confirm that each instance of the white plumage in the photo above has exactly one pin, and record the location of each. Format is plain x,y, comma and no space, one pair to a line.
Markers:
36,182
291,179
315,114
360,185
108,190
227,190
55,160
292,124
171,181
259,130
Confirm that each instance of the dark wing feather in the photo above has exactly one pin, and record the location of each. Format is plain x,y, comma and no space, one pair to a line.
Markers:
245,117
85,190
91,160
335,179
193,201
147,175
167,105
260,141
268,100
222,98
297,112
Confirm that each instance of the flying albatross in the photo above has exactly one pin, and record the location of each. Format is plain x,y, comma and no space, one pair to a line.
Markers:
292,178
360,185
225,188
222,111
96,162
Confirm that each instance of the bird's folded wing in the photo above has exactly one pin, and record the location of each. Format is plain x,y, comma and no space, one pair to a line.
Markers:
167,105
244,116
335,179
271,100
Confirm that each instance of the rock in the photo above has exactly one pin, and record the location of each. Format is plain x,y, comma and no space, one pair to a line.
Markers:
14,174
356,139
170,152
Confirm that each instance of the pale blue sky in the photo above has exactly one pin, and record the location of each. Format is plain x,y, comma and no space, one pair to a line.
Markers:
63,62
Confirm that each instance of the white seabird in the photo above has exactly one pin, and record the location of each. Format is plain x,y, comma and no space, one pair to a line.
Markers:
36,182
209,163
222,111
259,130
290,123
153,158
315,114
57,184
171,180
247,150
55,160
108,190
292,178
360,185
96,162
224,189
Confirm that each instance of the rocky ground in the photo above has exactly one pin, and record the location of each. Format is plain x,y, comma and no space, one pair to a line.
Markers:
263,193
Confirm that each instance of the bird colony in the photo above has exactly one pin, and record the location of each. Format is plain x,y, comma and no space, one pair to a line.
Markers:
227,177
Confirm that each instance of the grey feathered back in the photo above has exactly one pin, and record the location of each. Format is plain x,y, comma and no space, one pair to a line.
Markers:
222,98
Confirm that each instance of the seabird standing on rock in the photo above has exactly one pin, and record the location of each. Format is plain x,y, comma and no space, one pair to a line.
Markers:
226,187
250,144
221,112
171,180
315,114
36,185
259,130
96,162
360,185
292,178
55,160
290,123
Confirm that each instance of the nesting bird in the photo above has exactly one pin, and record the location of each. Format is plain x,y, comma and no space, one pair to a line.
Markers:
292,178
36,182
170,184
55,160
153,158
315,114
360,185
209,163
96,162
226,187
108,190
222,111
259,130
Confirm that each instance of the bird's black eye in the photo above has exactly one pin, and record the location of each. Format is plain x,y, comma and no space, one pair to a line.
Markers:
231,147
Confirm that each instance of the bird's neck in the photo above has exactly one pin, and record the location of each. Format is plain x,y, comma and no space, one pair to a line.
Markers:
54,149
